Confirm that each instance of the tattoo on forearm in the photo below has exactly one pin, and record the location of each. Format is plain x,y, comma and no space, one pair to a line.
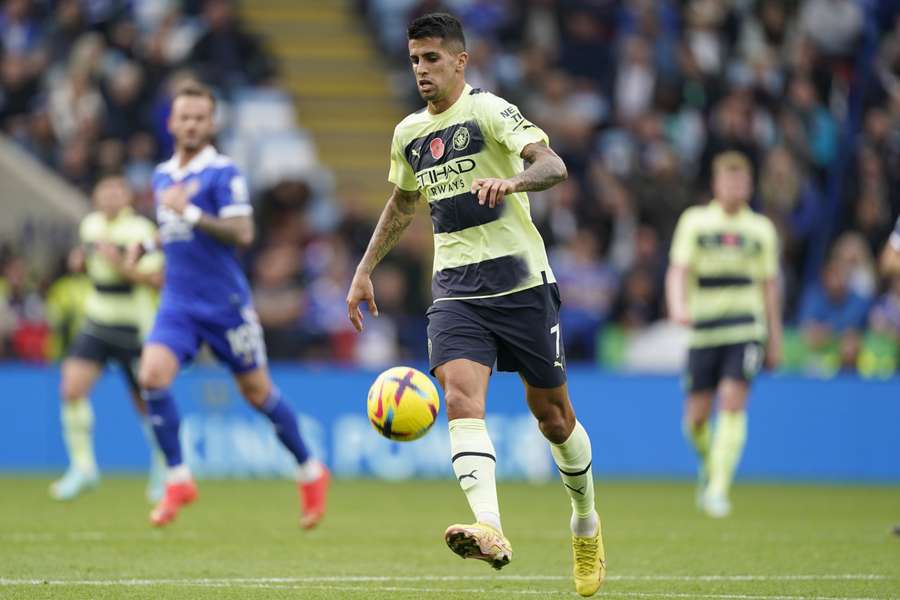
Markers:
395,218
546,169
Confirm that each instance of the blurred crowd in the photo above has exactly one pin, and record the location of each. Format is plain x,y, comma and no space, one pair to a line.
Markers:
636,95
85,86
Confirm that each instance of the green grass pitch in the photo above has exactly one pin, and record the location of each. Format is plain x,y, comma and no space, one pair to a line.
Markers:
384,540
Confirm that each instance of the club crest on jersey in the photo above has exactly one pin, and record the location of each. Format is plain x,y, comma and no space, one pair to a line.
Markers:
461,139
437,148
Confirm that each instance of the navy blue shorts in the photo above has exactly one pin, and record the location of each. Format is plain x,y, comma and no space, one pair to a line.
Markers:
109,343
518,332
708,366
235,337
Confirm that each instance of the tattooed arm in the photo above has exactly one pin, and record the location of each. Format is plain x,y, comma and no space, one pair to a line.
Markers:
545,170
395,218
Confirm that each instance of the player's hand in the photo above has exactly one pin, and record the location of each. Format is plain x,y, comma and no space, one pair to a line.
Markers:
76,259
177,196
110,252
133,254
492,190
361,290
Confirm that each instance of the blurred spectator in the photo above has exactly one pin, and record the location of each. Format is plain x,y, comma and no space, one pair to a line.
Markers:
819,132
884,318
279,299
125,101
660,191
18,86
852,252
867,206
23,327
138,170
635,79
327,267
226,55
589,288
586,41
832,315
20,34
64,27
792,200
834,25
639,301
568,112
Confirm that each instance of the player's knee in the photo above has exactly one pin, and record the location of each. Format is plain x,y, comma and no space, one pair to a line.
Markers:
255,387
153,376
461,405
69,390
556,425
733,395
694,421
255,394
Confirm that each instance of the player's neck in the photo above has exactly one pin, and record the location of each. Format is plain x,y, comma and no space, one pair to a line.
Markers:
731,209
183,155
113,215
449,100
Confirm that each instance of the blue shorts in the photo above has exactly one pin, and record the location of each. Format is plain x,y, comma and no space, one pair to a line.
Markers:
235,337
517,332
707,367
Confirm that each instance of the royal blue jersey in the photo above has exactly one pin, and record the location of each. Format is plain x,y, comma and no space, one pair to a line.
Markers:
203,277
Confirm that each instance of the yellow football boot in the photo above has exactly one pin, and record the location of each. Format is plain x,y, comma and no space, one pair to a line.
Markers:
590,563
479,541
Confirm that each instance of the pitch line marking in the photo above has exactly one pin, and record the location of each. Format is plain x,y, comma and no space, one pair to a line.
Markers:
455,590
426,578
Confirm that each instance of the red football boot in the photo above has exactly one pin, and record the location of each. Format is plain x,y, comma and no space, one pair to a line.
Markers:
313,496
176,496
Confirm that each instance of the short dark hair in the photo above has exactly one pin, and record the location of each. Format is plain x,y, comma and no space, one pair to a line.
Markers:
194,89
437,25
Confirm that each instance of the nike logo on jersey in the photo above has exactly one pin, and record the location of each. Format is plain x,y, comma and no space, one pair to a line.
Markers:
472,475
577,491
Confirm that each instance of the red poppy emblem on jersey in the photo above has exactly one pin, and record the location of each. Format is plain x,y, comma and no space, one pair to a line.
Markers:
437,148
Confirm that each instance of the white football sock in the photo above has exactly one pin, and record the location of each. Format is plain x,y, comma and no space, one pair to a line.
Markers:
179,474
474,463
78,433
573,459
309,471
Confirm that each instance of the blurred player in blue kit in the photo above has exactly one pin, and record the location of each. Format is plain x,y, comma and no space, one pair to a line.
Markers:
203,211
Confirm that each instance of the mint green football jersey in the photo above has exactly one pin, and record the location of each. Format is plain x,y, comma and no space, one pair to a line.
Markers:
479,252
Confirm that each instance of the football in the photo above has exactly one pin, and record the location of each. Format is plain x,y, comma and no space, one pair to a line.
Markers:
403,404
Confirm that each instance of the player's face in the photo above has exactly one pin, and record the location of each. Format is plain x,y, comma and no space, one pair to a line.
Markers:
437,68
111,196
732,187
191,122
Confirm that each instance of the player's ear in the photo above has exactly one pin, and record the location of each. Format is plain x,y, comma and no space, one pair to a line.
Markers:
461,59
